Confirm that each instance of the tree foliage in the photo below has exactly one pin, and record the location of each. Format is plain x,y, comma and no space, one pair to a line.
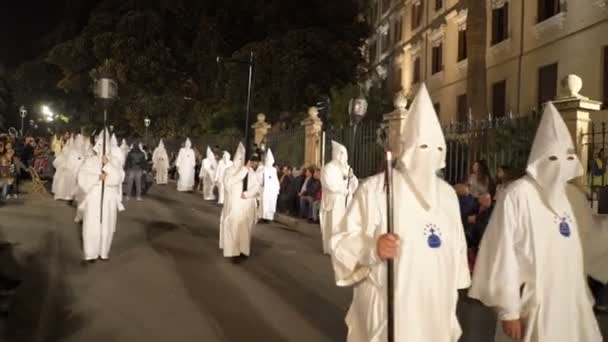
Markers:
163,55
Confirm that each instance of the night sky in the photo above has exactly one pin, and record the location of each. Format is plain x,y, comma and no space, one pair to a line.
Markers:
24,24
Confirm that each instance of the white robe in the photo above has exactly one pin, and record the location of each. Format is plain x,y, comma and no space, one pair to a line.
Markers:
526,243
222,166
335,184
238,214
427,278
97,234
160,163
206,176
270,192
185,163
67,166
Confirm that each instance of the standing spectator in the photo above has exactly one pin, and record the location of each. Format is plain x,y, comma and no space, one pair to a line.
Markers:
468,203
504,176
287,192
6,178
135,165
480,180
316,205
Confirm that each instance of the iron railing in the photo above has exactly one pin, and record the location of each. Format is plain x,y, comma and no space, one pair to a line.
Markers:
366,156
501,141
287,146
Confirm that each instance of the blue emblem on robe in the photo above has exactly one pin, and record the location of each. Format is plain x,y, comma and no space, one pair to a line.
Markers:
433,234
564,227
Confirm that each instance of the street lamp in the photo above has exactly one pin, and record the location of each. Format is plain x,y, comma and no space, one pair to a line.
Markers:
22,114
147,124
250,62
357,108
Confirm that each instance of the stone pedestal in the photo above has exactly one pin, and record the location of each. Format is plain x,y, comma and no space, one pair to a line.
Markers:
260,129
395,121
575,110
312,141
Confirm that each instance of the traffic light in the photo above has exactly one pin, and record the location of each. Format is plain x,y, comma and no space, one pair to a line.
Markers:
324,107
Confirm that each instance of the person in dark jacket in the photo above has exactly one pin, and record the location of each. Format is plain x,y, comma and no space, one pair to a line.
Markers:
288,192
135,166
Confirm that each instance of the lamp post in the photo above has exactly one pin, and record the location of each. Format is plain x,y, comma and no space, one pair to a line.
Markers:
250,62
22,114
106,91
147,122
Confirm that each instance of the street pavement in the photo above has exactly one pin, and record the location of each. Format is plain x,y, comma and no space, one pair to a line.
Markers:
166,280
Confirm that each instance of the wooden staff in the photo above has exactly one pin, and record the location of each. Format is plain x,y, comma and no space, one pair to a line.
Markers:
390,264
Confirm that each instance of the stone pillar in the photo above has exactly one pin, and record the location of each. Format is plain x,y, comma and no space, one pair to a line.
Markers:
260,129
575,109
312,141
395,121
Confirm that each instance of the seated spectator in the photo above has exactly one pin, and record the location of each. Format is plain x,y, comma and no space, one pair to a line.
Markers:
308,193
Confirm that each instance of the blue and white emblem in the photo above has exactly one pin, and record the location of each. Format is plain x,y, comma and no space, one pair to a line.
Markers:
433,235
564,224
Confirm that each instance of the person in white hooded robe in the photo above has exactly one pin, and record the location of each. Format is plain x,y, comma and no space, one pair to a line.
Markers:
64,180
239,212
540,237
223,164
270,188
100,174
428,247
117,151
337,192
124,148
185,163
160,163
207,175
86,152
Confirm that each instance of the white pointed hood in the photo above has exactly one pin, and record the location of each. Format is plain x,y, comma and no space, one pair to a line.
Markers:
98,148
78,145
239,155
339,153
188,144
226,157
210,156
161,144
269,159
553,160
114,141
424,148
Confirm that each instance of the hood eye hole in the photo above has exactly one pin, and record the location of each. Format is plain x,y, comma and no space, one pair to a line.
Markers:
570,158
424,146
440,149
553,158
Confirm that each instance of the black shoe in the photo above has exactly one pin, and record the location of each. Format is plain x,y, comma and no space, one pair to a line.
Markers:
87,262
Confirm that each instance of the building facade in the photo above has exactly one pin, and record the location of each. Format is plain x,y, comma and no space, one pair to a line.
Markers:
531,46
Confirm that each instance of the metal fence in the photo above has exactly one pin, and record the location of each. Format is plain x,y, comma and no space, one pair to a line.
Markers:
501,141
227,142
366,156
287,146
597,140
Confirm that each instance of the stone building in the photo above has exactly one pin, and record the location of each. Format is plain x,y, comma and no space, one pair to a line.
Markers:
531,46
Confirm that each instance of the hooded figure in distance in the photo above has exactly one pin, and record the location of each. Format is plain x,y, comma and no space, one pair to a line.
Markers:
337,190
224,164
185,163
270,188
428,246
539,246
160,163
207,175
